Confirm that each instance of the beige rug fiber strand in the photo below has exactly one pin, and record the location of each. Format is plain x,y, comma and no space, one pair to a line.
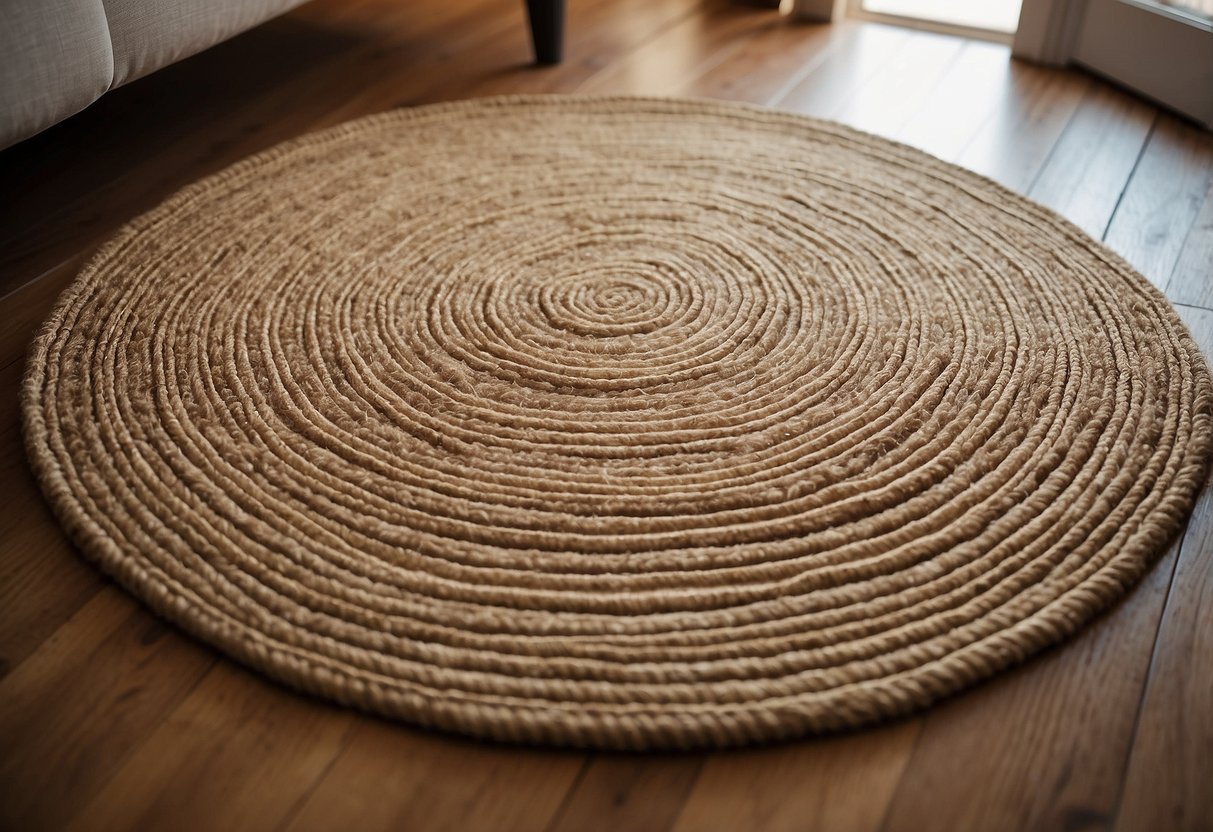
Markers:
618,423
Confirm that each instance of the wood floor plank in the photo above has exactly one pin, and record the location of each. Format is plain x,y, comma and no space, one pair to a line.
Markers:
640,793
11,374
74,711
237,753
1090,165
1042,747
1034,110
43,582
978,77
1163,199
24,309
829,87
1192,278
834,784
599,35
680,53
891,96
769,62
1169,784
437,782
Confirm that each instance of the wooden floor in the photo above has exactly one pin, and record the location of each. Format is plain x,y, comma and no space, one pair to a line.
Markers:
111,720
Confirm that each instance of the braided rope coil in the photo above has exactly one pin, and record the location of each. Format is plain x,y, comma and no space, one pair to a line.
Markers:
616,422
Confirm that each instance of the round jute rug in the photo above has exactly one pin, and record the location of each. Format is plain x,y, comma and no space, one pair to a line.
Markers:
624,423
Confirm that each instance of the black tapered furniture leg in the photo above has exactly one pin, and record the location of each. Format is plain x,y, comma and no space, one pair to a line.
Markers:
547,29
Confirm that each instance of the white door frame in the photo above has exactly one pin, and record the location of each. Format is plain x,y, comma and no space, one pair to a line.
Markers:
1047,30
1092,33
822,11
827,11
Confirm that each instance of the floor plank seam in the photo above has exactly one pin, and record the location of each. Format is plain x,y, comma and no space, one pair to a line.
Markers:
673,23
1141,152
1057,142
302,799
1208,309
153,727
1145,685
810,66
887,816
571,792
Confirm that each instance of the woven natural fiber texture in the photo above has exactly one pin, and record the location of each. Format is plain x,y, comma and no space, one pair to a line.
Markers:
613,422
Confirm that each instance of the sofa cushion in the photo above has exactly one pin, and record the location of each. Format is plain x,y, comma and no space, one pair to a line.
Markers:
148,34
55,60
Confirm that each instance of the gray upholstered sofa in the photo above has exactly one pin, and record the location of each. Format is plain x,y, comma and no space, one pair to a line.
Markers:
58,56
